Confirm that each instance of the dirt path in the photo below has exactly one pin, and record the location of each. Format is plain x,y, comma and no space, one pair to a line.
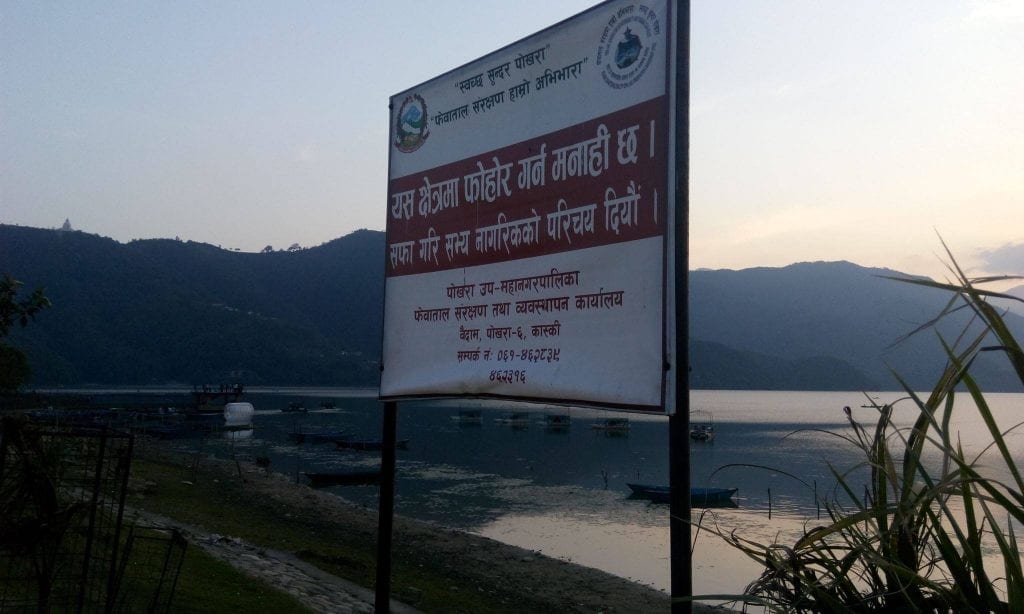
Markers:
311,586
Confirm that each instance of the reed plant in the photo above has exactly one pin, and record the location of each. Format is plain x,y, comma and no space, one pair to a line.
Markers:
934,529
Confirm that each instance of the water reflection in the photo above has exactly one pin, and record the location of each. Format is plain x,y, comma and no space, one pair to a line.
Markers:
563,491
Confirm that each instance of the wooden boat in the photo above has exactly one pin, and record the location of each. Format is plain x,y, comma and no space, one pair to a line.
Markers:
520,419
557,422
699,497
612,425
325,436
368,444
295,407
469,416
342,478
712,497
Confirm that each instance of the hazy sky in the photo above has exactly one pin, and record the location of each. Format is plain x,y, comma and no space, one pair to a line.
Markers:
819,130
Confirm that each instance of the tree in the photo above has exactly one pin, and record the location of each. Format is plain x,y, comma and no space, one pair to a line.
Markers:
268,249
14,369
294,247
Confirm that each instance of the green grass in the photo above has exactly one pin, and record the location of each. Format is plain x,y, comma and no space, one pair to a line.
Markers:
220,502
214,497
916,540
209,585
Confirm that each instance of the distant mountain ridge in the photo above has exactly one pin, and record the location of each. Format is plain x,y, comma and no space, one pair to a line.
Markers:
158,311
168,311
1015,306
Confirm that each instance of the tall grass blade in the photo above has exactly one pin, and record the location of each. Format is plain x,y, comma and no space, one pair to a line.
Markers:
915,540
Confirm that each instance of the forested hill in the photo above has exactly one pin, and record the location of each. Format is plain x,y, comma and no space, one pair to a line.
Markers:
167,311
161,311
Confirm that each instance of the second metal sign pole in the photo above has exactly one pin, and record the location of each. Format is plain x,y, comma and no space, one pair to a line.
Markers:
679,421
386,509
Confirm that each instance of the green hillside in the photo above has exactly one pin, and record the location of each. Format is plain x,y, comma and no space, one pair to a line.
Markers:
162,311
155,312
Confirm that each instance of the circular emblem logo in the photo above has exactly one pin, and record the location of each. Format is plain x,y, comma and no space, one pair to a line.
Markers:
411,124
627,45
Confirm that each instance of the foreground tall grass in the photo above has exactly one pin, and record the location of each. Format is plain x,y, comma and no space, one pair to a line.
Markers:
918,538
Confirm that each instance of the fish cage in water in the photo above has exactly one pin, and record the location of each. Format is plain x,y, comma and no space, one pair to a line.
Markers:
63,542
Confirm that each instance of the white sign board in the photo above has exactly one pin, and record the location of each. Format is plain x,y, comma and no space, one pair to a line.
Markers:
526,236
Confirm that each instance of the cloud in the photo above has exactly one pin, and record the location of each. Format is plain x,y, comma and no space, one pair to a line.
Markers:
1008,259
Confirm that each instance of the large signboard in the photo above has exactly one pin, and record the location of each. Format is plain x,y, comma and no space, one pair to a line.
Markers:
527,212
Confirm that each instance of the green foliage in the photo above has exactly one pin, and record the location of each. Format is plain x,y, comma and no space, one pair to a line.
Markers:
13,310
915,540
14,368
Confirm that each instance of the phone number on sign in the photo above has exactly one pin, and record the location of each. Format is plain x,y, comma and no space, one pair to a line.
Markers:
529,355
509,376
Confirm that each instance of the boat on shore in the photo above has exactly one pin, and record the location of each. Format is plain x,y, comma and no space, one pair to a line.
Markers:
323,479
699,496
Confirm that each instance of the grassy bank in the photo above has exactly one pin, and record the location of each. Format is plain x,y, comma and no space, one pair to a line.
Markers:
219,502
209,585
434,569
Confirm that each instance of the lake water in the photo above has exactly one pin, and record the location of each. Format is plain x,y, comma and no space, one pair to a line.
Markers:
564,493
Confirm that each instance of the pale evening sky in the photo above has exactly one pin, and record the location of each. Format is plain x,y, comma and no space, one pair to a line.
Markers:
819,130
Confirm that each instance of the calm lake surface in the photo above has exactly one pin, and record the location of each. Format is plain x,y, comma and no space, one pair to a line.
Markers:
564,493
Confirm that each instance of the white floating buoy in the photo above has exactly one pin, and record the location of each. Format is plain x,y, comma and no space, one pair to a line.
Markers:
238,414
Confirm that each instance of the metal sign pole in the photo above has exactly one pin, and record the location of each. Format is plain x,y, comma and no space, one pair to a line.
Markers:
679,422
386,508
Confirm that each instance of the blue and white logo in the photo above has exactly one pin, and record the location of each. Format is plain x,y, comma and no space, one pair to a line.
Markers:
411,126
628,44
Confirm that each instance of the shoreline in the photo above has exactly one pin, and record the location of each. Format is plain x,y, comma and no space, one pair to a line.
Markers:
452,561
